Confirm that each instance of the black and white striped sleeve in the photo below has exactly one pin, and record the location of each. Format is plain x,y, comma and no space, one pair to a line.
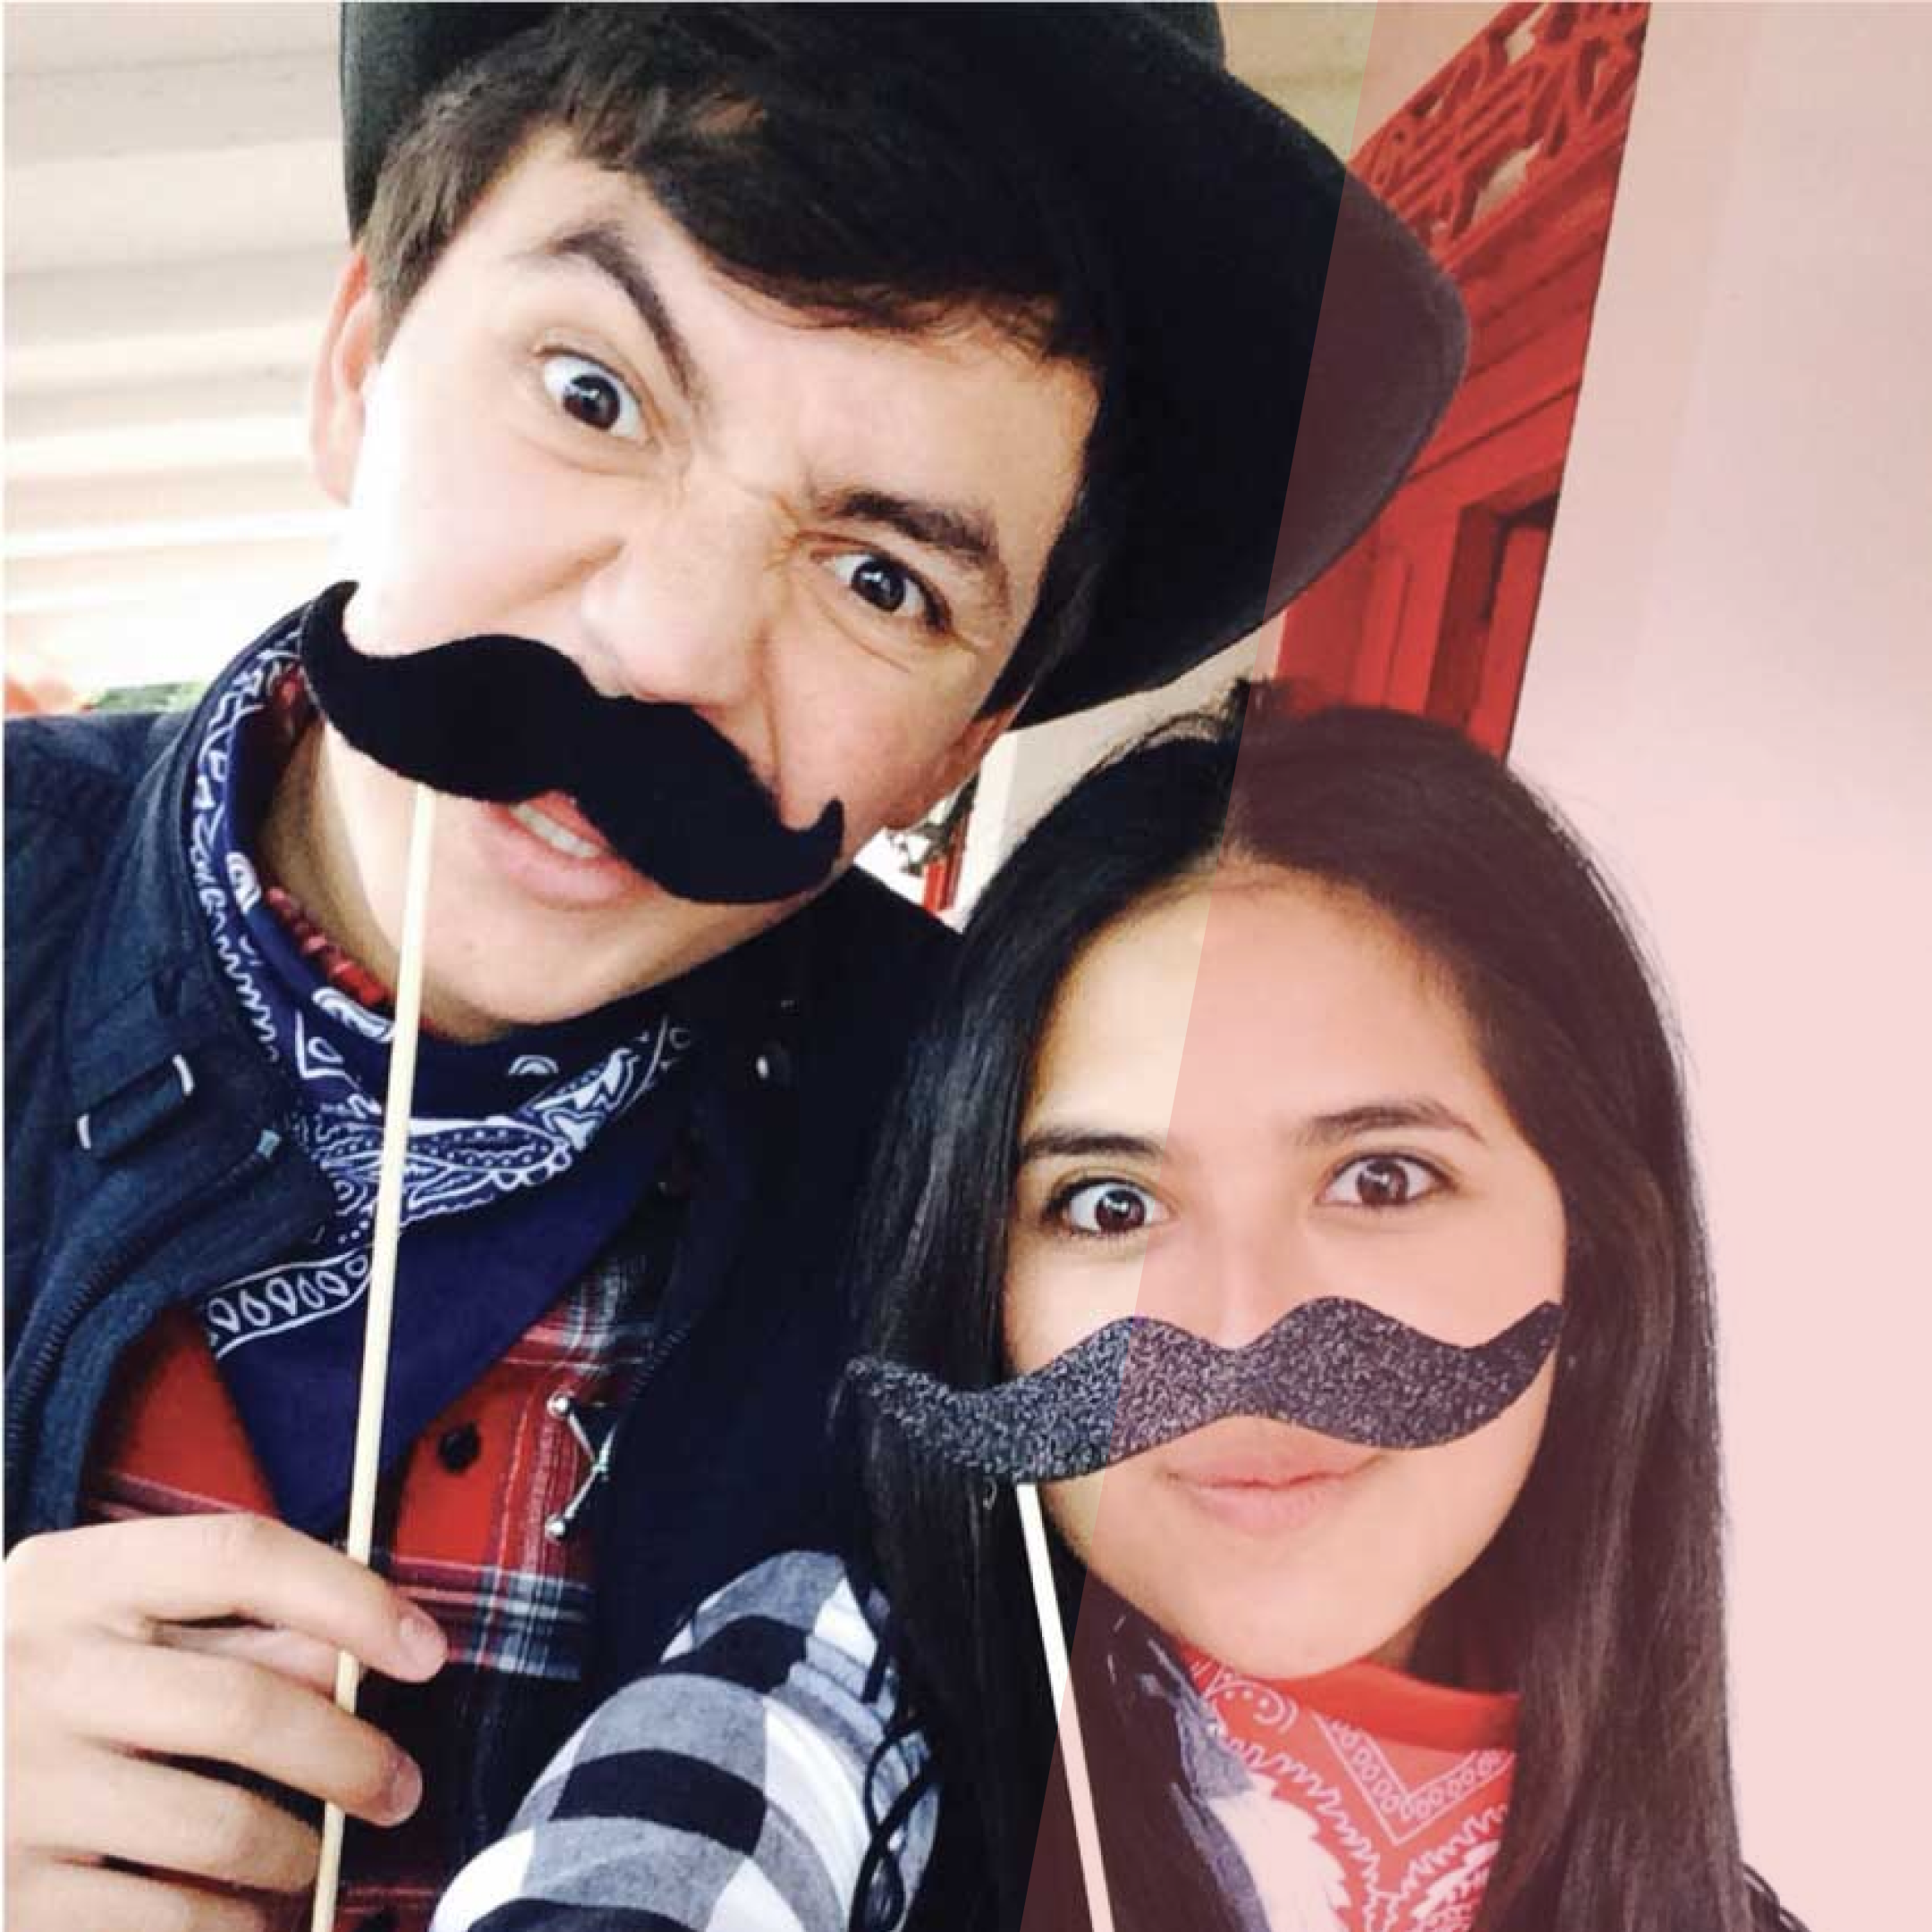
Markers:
726,1791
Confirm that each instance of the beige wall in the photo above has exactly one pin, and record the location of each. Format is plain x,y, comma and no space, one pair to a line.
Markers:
1731,690
1412,38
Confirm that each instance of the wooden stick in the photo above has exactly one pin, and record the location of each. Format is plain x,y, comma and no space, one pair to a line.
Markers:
379,1305
1060,1677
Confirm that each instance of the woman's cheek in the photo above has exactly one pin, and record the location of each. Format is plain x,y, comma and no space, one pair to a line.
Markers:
1052,1304
1073,1508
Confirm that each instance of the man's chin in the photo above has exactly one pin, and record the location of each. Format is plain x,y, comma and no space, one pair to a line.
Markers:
475,1016
571,976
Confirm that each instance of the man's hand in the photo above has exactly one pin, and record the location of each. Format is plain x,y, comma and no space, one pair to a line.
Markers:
110,1686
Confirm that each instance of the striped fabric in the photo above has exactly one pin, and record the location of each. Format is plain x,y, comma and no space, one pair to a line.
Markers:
732,1790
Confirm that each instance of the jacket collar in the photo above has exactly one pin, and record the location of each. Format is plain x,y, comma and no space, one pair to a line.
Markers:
151,1022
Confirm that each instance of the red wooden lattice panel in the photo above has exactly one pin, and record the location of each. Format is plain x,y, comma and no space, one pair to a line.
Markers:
1536,96
1506,163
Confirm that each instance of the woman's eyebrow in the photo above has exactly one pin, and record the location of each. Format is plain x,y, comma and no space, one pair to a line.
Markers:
607,248
1325,1130
1085,1142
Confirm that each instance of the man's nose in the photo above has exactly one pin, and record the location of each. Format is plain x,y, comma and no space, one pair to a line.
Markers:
681,612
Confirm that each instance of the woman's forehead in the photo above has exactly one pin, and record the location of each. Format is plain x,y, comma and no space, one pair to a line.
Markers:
1246,993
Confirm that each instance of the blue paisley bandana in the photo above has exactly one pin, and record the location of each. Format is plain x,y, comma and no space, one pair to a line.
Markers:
525,1155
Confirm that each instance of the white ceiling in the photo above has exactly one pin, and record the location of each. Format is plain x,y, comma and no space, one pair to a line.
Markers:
172,230
173,227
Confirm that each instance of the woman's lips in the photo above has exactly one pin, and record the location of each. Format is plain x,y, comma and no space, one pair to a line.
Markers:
1267,1492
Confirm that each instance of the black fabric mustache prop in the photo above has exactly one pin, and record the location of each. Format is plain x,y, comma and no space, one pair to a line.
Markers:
505,719
1337,1367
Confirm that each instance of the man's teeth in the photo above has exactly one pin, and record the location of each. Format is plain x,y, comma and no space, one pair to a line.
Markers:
552,835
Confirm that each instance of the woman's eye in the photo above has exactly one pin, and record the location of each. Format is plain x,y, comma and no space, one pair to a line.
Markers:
1108,1208
588,392
887,587
1382,1181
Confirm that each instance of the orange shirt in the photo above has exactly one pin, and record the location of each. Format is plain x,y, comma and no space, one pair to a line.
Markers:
1378,1800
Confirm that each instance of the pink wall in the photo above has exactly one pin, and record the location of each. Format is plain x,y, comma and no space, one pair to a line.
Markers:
1731,690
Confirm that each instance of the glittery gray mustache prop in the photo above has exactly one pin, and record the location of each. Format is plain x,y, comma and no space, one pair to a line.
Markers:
1335,1366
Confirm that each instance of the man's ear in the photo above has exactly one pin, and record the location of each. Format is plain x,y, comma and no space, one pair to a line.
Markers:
344,365
956,765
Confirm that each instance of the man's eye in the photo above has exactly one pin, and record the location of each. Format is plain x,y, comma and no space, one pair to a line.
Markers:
588,392
886,586
1106,1207
1382,1181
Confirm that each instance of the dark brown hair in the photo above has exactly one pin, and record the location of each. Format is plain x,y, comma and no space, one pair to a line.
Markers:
1599,1599
816,155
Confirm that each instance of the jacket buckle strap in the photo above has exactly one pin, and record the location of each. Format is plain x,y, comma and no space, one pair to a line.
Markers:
134,1112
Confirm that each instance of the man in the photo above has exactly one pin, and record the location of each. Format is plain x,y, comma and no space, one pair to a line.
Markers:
843,383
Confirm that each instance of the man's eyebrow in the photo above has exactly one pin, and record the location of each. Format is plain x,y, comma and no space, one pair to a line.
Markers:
1088,1143
964,534
1325,1130
607,248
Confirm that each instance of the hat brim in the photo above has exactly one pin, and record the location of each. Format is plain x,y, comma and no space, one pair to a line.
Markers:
1289,345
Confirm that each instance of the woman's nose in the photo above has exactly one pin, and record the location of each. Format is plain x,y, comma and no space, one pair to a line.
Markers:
1238,1285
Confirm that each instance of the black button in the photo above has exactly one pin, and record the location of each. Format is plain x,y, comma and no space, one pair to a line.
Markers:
771,1066
457,1448
383,1921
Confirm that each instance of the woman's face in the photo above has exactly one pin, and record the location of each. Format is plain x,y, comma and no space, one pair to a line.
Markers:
1251,1095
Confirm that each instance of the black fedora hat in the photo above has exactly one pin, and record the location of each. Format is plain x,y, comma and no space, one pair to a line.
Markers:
1291,343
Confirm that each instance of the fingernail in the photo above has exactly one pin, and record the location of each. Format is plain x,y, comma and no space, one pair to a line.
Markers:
405,1789
423,1641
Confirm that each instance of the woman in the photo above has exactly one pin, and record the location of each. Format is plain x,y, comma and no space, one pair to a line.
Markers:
1333,1007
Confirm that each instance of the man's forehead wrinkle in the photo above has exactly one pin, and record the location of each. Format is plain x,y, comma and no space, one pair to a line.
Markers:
963,532
607,247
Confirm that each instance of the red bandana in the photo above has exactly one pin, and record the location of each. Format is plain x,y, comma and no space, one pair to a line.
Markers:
1385,1797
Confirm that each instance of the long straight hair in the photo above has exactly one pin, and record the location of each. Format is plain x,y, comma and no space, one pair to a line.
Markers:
1599,1598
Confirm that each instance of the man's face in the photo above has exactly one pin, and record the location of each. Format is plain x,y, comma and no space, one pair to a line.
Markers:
828,543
